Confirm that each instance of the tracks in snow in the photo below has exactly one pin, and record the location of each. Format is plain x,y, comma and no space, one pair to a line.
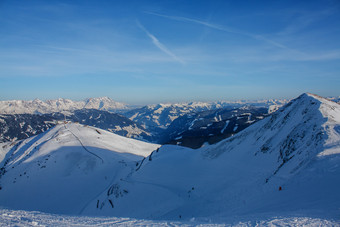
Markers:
81,143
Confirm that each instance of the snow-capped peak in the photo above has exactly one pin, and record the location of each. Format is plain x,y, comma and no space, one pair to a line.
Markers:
287,162
58,105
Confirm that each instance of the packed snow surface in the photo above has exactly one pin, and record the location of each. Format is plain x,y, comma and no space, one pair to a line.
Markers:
30,218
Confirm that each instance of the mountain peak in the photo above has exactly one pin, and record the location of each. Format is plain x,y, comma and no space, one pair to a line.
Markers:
328,108
288,161
58,105
306,125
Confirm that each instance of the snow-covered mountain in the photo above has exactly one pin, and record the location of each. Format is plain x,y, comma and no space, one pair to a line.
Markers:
162,115
211,126
65,168
285,164
58,105
22,126
111,122
191,130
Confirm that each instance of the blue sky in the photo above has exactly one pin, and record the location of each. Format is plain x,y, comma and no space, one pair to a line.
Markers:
142,52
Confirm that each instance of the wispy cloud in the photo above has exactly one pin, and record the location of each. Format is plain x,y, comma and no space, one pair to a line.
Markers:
159,45
302,19
223,28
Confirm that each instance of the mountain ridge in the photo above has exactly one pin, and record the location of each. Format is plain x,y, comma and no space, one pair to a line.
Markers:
286,163
281,159
60,170
37,106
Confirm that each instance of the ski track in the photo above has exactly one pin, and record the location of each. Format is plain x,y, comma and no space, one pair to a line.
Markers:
83,144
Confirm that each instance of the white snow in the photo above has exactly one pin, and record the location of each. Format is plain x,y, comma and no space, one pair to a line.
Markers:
242,175
283,170
225,126
30,218
64,169
192,124
133,130
58,105
235,128
168,112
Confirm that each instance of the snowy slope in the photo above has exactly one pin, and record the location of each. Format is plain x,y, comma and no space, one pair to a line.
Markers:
65,168
297,150
285,165
49,106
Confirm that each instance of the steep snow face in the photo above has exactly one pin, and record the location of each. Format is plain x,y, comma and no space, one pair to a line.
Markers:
286,163
40,107
64,169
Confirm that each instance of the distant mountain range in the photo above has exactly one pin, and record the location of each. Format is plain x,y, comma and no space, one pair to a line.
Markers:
22,126
187,124
162,115
211,126
153,123
58,105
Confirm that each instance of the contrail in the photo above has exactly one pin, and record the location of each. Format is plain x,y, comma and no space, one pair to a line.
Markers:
223,28
159,45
